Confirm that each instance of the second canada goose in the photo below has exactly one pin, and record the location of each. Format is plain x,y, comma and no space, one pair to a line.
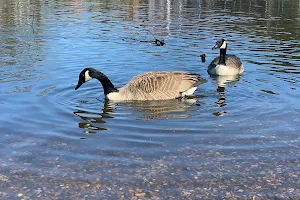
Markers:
146,86
225,64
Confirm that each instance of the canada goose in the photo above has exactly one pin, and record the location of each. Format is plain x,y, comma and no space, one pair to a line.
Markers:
146,86
225,64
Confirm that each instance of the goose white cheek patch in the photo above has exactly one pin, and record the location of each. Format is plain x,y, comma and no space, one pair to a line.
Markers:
223,45
87,76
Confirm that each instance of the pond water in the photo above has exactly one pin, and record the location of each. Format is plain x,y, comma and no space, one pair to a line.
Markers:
239,142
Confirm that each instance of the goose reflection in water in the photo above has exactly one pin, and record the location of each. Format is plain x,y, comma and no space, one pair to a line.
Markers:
165,109
223,82
94,118
140,110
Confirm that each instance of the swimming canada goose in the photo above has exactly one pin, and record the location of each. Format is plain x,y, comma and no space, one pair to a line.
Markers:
225,64
146,86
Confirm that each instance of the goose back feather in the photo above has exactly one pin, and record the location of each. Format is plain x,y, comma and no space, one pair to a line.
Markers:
158,86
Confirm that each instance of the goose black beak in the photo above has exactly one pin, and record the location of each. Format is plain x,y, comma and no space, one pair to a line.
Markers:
215,47
78,85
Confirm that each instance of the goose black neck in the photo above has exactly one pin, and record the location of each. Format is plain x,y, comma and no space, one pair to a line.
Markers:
222,56
106,83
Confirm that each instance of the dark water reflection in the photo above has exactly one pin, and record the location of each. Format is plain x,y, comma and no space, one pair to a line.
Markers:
238,139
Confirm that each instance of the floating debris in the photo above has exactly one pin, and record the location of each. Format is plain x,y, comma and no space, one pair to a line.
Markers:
268,91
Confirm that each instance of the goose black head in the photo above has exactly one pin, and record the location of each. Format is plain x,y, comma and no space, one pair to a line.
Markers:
220,44
84,76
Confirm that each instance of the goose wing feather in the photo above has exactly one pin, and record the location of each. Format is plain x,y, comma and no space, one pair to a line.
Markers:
213,63
160,85
233,61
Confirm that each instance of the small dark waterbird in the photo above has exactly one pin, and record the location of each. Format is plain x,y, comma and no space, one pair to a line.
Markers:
159,85
225,64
